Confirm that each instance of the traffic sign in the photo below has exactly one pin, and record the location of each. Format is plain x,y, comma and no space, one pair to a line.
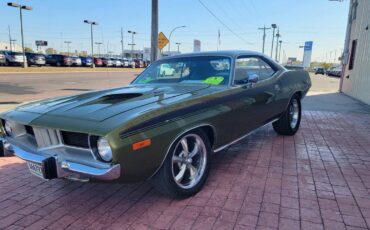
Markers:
162,40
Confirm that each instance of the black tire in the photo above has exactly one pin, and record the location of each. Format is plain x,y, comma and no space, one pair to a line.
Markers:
58,64
287,125
164,181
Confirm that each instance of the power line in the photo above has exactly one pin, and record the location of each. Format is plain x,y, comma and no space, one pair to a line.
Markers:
220,21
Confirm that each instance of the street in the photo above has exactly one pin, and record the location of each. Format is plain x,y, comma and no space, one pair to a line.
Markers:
19,88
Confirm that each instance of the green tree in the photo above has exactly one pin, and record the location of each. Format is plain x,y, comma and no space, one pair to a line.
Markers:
50,51
28,50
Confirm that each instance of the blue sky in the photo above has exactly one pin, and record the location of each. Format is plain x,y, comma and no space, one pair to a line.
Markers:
321,21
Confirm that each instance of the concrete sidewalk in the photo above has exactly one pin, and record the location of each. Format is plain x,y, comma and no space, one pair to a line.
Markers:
333,102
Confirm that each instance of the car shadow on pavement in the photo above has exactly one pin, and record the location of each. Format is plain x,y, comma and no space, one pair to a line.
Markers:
8,88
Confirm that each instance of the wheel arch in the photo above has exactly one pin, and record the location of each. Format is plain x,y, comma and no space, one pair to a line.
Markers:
207,128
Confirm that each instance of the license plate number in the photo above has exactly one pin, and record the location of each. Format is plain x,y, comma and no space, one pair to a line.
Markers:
36,169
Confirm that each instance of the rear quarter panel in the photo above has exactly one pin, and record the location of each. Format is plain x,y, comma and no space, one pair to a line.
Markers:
294,81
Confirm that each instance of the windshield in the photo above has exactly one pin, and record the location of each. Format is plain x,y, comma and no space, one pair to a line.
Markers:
213,70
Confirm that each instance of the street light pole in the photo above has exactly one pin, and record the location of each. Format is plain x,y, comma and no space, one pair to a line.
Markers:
67,42
169,38
280,42
10,39
278,35
91,23
132,42
21,7
178,47
274,26
122,55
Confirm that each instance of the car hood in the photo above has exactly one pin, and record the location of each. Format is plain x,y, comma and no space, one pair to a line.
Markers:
98,106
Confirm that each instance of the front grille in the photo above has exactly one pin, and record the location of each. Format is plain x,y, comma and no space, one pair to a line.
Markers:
46,137
75,139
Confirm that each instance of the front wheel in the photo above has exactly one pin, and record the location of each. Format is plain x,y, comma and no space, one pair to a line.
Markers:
289,122
186,167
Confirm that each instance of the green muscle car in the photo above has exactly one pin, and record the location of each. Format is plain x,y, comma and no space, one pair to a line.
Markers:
163,127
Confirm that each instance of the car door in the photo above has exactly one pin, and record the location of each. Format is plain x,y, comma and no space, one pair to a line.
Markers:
256,86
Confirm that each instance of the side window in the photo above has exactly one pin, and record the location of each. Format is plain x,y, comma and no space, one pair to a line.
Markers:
251,69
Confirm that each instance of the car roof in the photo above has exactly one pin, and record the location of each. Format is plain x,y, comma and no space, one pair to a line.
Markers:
229,53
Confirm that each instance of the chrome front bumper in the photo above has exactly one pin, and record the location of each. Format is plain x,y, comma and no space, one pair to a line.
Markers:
56,168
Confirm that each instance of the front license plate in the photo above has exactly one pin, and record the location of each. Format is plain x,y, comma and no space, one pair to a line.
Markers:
36,169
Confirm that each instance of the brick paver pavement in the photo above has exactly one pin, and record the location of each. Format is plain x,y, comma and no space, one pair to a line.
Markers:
318,179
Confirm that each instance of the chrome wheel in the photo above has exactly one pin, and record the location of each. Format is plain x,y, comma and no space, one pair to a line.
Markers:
294,113
189,161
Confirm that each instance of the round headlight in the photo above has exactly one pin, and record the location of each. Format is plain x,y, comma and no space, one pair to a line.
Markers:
8,128
104,149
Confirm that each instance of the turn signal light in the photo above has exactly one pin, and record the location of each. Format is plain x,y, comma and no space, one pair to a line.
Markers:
141,144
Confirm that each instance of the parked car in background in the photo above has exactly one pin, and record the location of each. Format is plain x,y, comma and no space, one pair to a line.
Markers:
159,128
107,62
117,62
86,61
35,59
76,61
335,71
13,58
139,63
98,62
146,63
131,63
58,60
2,58
125,62
320,70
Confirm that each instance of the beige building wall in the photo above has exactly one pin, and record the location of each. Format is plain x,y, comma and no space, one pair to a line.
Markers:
6,46
356,82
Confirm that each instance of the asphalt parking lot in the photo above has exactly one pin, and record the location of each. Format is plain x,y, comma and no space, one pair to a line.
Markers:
318,179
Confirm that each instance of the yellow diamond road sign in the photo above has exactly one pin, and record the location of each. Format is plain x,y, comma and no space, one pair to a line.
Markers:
162,40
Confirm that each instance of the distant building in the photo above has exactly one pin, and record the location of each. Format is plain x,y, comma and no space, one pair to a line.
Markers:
355,80
6,46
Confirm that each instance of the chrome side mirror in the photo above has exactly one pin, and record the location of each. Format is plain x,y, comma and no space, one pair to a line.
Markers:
253,78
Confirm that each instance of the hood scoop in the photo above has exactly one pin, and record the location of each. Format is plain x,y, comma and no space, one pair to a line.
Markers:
114,98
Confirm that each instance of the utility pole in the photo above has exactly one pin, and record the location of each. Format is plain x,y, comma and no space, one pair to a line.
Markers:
154,32
67,42
264,37
278,35
178,47
273,37
10,39
132,42
122,43
98,43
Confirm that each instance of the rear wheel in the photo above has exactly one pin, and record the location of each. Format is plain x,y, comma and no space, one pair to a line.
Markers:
186,167
289,122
